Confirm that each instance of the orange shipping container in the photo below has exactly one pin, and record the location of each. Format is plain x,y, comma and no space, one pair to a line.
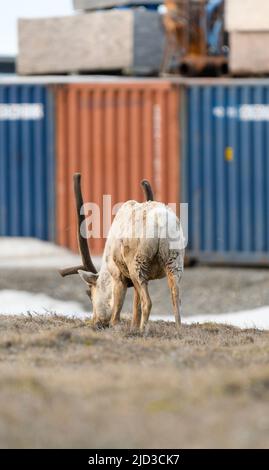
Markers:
115,133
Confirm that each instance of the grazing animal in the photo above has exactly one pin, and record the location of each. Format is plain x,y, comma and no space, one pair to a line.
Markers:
145,242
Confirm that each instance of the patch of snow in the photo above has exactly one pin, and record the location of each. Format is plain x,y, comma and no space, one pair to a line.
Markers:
256,318
14,302
34,253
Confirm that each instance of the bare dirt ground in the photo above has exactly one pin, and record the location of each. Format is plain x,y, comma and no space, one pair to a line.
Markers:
64,384
205,289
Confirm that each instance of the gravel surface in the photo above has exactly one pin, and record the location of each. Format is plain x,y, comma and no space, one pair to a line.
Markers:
205,289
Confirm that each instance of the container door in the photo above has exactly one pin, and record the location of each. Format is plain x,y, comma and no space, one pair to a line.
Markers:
115,133
26,162
228,173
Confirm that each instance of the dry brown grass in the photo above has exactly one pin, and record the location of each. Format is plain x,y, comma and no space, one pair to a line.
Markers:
63,384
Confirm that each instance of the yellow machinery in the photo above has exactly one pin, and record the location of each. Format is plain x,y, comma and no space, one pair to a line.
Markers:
187,25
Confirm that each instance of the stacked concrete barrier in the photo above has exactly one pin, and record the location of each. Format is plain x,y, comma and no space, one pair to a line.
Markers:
248,26
128,40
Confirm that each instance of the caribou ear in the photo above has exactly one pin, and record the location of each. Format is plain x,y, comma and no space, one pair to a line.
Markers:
89,278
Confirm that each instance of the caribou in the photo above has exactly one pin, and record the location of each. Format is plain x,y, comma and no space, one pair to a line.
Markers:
145,243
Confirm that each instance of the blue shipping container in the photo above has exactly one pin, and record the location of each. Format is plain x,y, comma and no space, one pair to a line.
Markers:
27,161
226,170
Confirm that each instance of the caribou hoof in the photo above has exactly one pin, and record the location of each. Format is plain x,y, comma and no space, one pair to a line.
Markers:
100,325
114,324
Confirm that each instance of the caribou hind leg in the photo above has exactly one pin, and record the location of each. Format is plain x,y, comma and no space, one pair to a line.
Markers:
146,306
136,320
174,282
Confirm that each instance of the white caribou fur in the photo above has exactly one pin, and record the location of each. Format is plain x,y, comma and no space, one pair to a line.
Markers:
139,249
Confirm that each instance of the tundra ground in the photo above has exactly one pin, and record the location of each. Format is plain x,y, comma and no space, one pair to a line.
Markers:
63,384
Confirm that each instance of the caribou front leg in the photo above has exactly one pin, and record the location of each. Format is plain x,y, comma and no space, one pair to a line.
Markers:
142,291
119,291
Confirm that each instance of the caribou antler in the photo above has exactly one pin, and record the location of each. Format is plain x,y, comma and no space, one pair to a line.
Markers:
70,271
82,242
147,190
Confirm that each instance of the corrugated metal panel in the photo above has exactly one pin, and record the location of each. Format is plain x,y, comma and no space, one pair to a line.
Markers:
227,171
26,161
115,134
